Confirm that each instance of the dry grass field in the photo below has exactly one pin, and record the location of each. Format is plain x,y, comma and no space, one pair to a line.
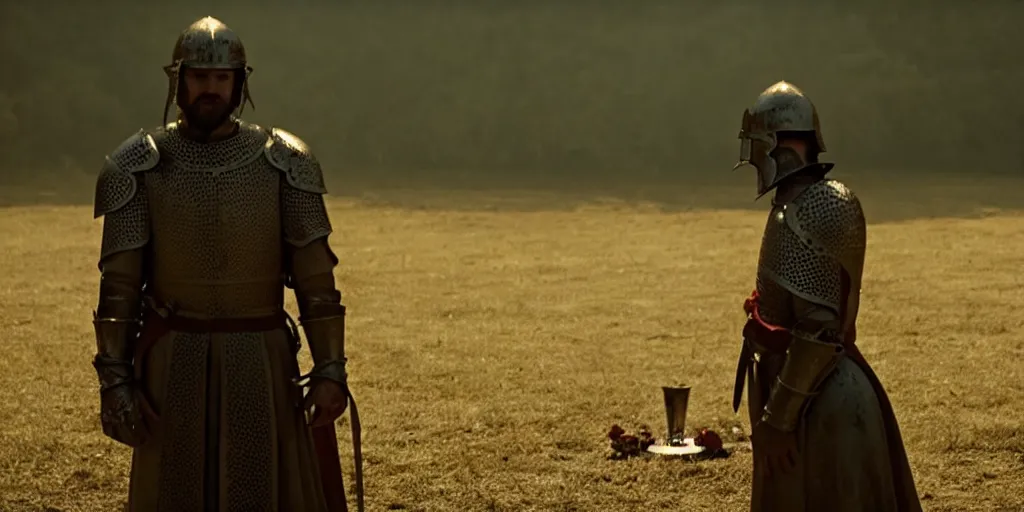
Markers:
492,348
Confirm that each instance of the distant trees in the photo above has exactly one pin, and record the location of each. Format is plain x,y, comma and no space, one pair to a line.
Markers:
650,91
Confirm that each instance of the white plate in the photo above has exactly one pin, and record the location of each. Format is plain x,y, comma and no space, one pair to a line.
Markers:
688,448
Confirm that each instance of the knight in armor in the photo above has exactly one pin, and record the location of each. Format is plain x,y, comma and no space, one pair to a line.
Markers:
824,433
207,221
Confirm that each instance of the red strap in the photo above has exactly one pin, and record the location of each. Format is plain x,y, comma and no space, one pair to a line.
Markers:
750,303
776,338
751,307
773,337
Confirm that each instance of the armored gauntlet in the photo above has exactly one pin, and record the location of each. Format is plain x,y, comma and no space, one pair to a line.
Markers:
809,361
117,326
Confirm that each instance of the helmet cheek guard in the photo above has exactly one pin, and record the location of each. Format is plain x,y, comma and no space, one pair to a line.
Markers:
780,108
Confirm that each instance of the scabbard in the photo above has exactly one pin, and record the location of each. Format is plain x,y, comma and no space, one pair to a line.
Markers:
741,375
325,443
357,449
772,337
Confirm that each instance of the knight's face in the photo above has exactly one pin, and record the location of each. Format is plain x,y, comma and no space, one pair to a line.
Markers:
208,94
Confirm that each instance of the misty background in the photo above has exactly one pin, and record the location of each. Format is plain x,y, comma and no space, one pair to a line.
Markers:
561,95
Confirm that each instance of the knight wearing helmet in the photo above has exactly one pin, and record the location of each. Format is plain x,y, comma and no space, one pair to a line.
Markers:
824,433
208,220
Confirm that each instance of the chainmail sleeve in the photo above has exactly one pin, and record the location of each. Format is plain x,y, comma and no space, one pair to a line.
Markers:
304,217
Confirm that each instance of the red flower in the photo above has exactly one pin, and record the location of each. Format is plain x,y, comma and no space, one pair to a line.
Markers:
709,440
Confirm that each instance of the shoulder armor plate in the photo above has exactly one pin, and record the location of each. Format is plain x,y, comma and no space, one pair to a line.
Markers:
294,158
116,183
829,220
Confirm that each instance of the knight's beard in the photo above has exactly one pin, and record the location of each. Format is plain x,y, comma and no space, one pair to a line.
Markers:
205,122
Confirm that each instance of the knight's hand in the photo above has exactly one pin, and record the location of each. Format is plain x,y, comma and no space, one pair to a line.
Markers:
326,401
121,415
776,450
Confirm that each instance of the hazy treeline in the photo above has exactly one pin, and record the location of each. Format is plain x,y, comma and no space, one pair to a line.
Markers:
505,92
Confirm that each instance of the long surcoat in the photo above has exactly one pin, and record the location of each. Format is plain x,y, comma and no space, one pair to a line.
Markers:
809,272
217,231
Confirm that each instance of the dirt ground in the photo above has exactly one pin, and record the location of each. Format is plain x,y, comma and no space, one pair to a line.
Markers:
492,348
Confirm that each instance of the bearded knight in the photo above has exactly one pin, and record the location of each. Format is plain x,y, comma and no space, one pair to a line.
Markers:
207,220
824,433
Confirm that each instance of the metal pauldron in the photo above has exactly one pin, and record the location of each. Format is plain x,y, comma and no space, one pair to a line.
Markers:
291,155
809,361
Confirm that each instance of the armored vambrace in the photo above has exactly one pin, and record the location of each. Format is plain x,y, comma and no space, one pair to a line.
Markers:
322,317
115,344
116,321
809,361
